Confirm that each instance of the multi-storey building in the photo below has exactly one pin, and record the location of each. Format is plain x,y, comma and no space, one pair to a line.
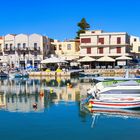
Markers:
98,43
1,50
22,50
68,49
135,42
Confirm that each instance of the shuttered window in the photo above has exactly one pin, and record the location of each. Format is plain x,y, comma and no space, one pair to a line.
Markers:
88,50
118,40
85,40
118,49
101,50
101,40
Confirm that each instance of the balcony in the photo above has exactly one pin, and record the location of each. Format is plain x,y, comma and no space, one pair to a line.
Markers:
22,49
31,48
36,48
12,49
21,59
6,49
103,45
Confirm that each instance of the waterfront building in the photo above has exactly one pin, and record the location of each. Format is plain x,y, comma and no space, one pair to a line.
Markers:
135,42
1,50
98,44
68,49
24,50
9,49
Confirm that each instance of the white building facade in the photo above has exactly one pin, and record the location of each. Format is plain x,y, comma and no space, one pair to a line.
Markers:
135,42
25,50
1,50
99,43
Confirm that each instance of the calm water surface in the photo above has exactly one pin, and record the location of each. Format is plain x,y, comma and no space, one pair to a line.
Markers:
58,115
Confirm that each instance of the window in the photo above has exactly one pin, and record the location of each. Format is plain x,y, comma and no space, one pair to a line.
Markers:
35,46
85,40
60,47
88,50
24,45
135,39
55,48
101,40
35,54
101,50
139,49
11,45
118,49
18,45
118,40
69,47
6,46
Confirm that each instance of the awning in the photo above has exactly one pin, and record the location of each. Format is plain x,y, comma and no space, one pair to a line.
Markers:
2,61
86,59
123,58
106,59
53,60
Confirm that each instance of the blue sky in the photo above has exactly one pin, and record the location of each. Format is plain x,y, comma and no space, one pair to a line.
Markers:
58,18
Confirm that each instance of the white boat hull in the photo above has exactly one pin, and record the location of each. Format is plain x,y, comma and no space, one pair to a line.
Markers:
128,91
122,103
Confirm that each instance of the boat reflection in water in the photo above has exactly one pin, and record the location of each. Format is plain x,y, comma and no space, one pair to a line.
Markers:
28,95
113,113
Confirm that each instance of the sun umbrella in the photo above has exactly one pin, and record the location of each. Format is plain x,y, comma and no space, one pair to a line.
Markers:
123,58
53,60
86,59
106,59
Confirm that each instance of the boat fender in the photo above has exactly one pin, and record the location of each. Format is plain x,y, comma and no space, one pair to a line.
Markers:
51,90
70,86
90,104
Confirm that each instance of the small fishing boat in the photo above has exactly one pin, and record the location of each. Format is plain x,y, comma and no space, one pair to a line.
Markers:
119,103
85,74
3,74
21,75
122,89
101,79
126,77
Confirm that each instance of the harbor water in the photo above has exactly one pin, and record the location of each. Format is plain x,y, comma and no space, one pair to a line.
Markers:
50,109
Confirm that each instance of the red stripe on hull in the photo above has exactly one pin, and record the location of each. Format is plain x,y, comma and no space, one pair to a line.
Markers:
116,104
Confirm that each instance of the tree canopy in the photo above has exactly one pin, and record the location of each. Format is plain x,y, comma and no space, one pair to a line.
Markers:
83,26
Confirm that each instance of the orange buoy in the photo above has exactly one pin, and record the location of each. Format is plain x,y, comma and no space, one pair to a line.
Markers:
41,93
70,86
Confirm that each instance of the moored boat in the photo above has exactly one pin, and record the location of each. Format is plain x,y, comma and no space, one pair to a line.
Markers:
115,78
85,74
122,89
120,103
3,74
